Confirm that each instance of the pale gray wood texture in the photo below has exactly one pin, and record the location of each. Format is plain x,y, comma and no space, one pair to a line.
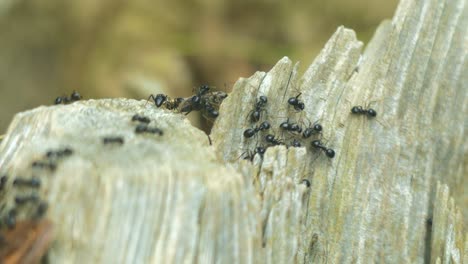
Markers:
394,193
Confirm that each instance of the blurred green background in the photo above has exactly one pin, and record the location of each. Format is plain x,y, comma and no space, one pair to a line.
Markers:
117,48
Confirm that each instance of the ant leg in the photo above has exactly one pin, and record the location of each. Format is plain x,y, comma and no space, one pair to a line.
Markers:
151,97
287,85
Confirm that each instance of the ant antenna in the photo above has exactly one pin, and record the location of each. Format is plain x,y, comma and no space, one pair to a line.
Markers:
287,85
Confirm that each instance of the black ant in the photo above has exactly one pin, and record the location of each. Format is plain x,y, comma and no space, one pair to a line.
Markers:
24,199
272,140
295,143
250,132
259,108
75,96
111,140
140,118
59,153
210,110
159,99
296,103
143,128
162,99
291,127
312,130
328,151
359,110
3,181
210,103
33,182
51,165
197,102
251,154
216,97
62,100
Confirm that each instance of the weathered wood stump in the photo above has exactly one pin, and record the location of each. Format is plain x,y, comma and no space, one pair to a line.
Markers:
391,193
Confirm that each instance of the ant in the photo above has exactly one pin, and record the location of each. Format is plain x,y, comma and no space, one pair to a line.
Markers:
210,110
251,154
143,128
110,140
162,99
59,153
198,101
140,118
291,127
296,103
75,96
259,108
33,182
24,199
359,110
45,165
250,132
62,99
159,99
295,143
217,97
312,130
328,151
274,141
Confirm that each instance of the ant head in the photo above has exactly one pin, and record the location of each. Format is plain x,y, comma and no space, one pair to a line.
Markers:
317,127
204,88
285,125
371,112
296,143
58,100
300,106
316,143
140,128
307,133
75,96
262,99
269,138
209,107
295,127
330,153
356,109
260,150
67,151
195,99
160,99
213,113
293,101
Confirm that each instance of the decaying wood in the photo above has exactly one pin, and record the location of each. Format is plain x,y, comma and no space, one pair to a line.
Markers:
392,193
